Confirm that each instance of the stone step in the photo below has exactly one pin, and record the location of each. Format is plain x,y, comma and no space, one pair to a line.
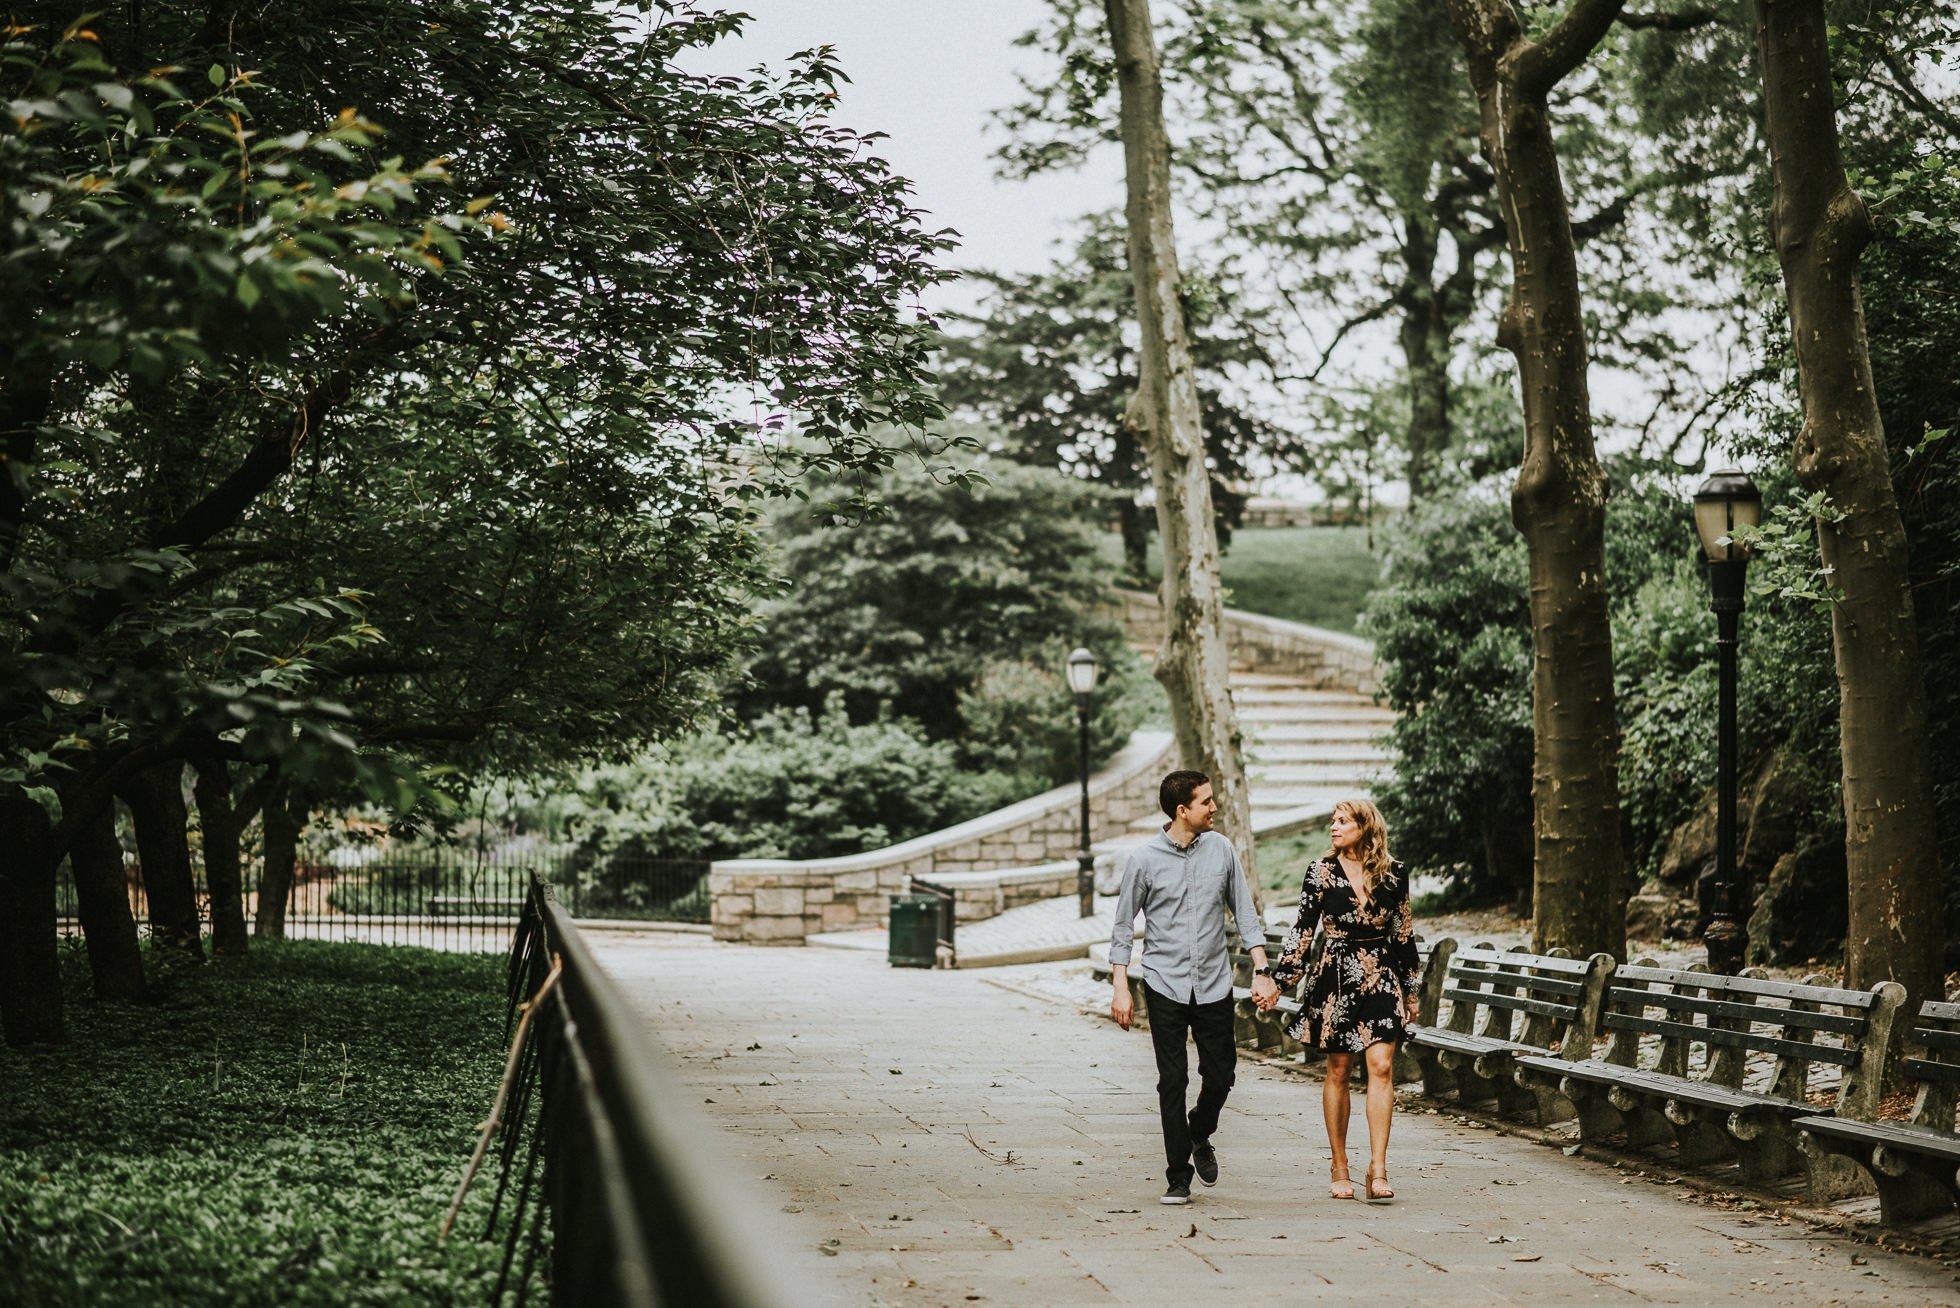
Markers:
1379,718
1261,734
1361,752
1294,796
1298,694
1267,776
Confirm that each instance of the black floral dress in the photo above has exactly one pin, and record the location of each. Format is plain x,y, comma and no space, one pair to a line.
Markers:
1366,968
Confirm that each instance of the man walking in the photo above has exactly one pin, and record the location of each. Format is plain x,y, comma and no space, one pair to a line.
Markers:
1184,881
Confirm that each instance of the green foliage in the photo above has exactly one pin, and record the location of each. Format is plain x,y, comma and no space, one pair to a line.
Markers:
912,611
1452,626
181,1155
521,403
1321,576
1051,363
1452,629
908,677
789,785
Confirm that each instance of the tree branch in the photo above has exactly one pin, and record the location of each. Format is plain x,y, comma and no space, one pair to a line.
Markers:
1686,21
1545,63
1903,82
273,456
1605,220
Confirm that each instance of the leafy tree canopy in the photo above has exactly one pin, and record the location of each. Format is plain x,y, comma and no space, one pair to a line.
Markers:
403,377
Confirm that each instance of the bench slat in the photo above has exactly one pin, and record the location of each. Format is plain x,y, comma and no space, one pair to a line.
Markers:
1550,985
1734,1039
1463,1042
1922,1069
1934,1038
1674,1087
1838,1022
1514,1003
1936,1011
1747,985
1568,966
1894,1135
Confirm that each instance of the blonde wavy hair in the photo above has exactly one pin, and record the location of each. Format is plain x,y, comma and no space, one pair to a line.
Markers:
1376,863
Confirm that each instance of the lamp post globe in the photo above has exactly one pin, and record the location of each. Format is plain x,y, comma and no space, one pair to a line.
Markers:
1082,672
1723,503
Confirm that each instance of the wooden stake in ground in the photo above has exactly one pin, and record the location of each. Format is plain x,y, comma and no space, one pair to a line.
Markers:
1193,662
1559,499
1820,226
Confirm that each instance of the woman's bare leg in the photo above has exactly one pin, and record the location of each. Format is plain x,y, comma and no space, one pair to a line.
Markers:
1335,1105
1381,1103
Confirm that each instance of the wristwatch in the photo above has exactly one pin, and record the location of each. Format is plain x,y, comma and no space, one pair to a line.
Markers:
1262,971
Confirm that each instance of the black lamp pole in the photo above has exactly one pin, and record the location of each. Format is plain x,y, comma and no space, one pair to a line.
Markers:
1724,502
1082,680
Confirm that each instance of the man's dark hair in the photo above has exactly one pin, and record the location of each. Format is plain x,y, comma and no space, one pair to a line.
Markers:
1177,790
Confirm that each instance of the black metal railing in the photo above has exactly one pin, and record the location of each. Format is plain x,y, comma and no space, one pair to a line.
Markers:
605,1191
451,898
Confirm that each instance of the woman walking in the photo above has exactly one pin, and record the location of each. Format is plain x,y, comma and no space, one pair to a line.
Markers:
1363,994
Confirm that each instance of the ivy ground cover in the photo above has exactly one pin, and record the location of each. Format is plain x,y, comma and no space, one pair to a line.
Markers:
283,1128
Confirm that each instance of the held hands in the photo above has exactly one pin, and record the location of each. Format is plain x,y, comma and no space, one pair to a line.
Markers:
1265,993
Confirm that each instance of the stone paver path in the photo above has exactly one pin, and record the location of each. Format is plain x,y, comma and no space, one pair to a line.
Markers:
932,1138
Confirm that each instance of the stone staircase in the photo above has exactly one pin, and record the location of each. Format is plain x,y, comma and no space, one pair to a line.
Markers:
1312,732
1306,749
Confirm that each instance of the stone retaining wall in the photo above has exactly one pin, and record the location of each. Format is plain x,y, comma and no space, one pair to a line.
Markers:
1328,660
781,901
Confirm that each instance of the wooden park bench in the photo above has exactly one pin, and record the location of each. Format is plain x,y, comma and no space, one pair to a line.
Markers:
1644,1086
1913,1163
1544,1005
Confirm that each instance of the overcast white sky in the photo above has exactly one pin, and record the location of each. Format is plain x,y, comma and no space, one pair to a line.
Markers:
928,73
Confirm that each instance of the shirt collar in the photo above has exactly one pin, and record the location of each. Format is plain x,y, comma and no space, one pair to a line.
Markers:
1165,836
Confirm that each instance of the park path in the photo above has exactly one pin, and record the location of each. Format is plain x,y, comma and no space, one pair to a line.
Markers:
938,1138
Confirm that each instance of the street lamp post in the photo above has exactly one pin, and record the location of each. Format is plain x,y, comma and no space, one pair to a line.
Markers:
1082,680
1726,501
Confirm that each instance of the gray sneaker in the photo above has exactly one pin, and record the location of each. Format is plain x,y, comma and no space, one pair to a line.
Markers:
1205,1159
1177,1194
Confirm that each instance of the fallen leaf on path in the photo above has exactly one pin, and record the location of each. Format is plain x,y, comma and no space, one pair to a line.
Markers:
1527,1258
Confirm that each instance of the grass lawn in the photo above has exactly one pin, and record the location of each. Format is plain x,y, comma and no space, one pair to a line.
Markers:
1315,575
1283,863
181,1154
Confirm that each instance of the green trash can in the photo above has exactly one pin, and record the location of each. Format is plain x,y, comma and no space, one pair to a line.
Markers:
914,930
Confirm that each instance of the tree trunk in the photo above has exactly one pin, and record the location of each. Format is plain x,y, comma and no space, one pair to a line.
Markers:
1193,663
30,966
281,825
221,822
1559,499
115,959
1425,356
156,802
1820,226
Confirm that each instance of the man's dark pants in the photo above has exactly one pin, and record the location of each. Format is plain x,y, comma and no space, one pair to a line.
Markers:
1210,1026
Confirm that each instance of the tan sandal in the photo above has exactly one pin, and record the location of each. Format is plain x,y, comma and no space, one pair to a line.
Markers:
1377,1186
1339,1184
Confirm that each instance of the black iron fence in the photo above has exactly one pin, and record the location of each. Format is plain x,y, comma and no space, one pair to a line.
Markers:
451,898
605,1191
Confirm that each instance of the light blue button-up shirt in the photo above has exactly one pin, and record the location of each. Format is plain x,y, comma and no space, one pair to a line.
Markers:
1185,894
